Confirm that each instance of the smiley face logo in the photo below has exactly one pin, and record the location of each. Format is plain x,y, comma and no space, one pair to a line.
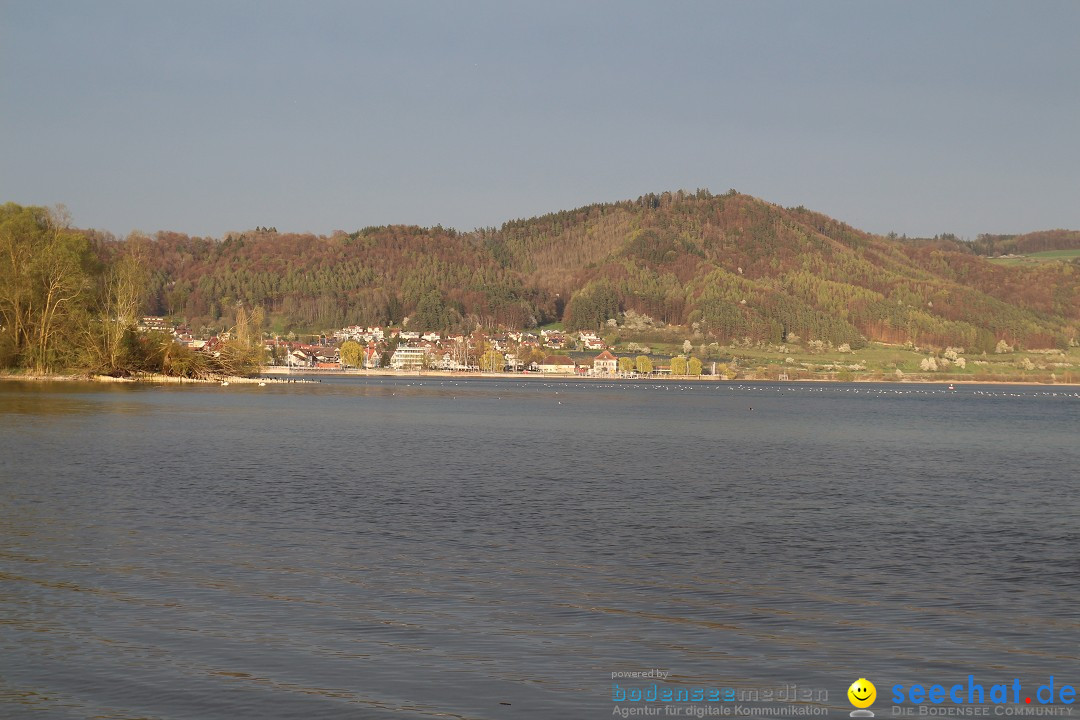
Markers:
862,693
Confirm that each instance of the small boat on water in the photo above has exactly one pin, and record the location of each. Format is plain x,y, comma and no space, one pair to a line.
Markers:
951,386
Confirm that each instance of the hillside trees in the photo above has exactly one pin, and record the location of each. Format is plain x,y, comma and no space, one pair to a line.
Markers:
591,306
432,313
742,269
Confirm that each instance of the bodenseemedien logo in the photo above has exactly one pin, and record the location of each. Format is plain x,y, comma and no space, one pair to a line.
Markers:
862,694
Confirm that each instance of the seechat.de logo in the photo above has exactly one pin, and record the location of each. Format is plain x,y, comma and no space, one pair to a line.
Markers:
862,694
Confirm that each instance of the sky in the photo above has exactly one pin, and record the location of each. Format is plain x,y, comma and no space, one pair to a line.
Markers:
916,117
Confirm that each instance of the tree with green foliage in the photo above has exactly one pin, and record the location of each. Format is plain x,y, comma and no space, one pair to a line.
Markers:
693,366
678,365
626,364
351,353
591,306
643,364
431,313
527,355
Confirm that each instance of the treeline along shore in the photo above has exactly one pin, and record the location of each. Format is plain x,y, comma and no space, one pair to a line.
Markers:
68,303
782,289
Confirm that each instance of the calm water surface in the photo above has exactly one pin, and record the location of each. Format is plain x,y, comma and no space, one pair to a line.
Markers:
497,549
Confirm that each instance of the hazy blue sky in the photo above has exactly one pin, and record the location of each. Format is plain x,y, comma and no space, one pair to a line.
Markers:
204,117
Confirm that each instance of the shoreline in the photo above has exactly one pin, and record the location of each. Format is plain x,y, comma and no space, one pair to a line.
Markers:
279,376
152,379
563,377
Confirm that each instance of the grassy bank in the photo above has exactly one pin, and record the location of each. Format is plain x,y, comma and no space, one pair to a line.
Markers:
1035,259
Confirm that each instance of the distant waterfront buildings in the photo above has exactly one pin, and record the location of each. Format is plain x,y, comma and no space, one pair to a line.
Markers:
605,364
409,357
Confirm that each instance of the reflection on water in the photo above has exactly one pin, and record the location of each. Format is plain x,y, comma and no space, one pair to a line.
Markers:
38,400
419,548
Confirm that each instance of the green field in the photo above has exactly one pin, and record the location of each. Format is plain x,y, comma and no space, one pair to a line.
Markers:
1038,258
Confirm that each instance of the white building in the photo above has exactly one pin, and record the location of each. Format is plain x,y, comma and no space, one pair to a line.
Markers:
590,341
407,357
556,364
605,364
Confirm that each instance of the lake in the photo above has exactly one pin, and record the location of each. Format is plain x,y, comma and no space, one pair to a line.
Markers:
414,548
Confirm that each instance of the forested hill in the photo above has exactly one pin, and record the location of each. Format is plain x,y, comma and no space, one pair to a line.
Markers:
732,266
